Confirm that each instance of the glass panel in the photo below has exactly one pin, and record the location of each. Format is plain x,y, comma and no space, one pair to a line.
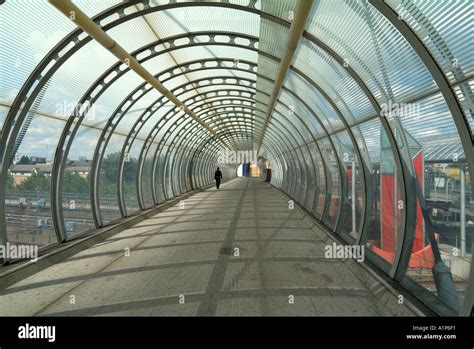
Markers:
129,180
352,219
310,118
108,192
335,182
160,194
3,115
281,9
132,34
444,184
147,177
438,24
182,170
297,175
27,34
28,195
167,177
76,181
333,79
298,117
465,95
321,183
386,223
310,192
177,175
435,150
199,18
372,47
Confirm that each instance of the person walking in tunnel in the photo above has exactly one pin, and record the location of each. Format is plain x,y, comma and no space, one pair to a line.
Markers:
218,177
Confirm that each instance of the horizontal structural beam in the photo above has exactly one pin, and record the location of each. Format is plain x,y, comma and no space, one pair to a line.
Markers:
302,11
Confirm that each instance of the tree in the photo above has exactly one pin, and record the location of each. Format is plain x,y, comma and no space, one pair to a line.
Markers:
37,182
25,160
10,183
74,183
110,167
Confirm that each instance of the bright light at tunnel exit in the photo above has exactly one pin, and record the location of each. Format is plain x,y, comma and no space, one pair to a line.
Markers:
239,171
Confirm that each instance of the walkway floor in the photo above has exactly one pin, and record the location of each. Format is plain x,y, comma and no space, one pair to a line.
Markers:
236,251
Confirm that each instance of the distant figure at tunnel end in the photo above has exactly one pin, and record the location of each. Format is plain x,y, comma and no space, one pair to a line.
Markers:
218,177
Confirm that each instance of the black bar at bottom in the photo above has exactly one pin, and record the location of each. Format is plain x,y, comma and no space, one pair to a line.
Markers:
320,332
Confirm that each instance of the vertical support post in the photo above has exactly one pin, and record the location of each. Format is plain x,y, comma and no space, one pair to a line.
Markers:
447,188
353,198
463,211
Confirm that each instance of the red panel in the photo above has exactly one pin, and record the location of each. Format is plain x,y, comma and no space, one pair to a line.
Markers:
418,244
421,255
388,212
349,173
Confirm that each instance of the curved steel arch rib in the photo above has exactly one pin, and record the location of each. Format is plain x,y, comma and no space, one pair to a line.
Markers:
197,129
168,77
331,140
92,95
